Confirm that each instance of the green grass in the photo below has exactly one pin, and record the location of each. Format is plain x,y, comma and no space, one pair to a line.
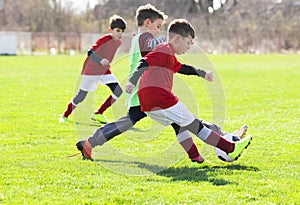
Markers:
149,167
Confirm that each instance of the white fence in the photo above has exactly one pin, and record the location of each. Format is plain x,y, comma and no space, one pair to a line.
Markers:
27,43
42,43
12,43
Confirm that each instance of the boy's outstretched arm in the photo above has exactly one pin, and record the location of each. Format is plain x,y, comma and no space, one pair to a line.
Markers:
190,70
132,81
97,59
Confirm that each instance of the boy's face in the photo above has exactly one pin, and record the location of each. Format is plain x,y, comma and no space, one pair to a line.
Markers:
116,33
154,27
183,44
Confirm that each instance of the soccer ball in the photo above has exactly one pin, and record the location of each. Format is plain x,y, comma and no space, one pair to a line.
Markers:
223,155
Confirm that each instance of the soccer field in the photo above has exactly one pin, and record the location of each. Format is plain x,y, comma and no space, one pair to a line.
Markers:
146,165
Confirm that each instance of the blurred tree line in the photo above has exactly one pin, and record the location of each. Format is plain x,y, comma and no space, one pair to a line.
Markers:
243,22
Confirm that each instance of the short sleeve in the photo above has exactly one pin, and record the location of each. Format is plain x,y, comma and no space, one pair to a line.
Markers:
177,65
100,42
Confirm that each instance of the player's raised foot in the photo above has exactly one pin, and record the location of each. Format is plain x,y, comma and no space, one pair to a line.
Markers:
99,118
242,131
62,119
85,148
239,147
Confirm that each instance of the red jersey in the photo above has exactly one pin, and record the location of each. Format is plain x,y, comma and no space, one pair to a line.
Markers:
105,47
155,86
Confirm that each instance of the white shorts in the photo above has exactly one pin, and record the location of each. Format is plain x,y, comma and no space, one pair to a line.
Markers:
178,114
90,82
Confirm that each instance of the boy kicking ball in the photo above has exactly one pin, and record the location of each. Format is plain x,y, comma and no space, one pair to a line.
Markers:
149,21
155,72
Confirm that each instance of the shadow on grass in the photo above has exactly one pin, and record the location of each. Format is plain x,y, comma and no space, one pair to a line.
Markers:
98,124
195,174
93,124
205,173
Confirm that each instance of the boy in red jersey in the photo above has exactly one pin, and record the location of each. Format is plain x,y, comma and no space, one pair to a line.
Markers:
96,69
149,21
155,72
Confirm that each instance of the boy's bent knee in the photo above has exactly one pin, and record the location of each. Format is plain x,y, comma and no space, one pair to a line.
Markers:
79,97
116,90
136,114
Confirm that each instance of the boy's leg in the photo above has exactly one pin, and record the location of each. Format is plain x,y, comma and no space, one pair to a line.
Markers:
241,132
212,138
213,127
88,83
110,130
111,81
180,115
102,135
116,93
79,97
186,141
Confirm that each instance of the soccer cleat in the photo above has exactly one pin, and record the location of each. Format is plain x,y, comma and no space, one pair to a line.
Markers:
100,118
85,148
62,119
241,132
239,147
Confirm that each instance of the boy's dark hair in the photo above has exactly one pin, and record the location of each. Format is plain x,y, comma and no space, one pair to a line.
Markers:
148,11
181,27
117,22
